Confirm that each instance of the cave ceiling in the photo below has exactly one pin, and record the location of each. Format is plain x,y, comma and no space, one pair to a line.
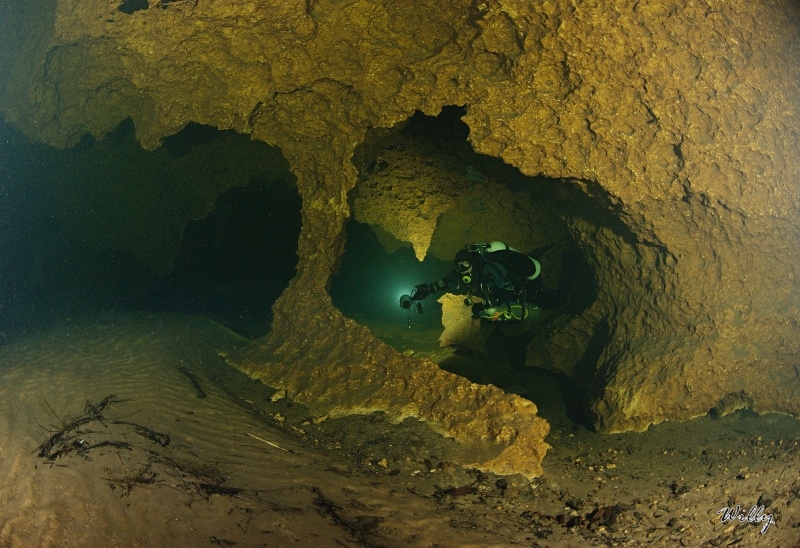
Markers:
679,120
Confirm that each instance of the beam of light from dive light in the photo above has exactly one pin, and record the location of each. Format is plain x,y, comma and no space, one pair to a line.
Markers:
408,273
403,287
402,280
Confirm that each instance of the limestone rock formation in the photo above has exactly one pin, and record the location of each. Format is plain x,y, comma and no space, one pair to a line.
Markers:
459,327
678,120
438,201
347,371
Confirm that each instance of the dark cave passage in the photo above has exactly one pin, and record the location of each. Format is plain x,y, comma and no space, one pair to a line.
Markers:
206,224
236,262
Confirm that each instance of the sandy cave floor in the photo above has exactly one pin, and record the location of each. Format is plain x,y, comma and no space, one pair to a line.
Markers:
105,441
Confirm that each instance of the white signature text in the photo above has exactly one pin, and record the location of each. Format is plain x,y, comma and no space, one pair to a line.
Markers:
755,515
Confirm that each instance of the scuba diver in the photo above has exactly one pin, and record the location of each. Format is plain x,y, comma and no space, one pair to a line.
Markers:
501,283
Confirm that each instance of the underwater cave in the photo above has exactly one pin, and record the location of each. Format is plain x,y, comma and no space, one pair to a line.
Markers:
421,182
205,241
207,224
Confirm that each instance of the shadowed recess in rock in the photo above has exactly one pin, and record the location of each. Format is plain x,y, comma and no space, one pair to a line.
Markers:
208,223
237,261
132,6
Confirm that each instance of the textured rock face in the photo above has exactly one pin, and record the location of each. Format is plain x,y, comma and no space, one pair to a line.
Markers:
678,120
347,371
437,201
683,114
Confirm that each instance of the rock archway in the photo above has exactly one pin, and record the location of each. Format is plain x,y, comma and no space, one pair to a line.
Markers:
680,119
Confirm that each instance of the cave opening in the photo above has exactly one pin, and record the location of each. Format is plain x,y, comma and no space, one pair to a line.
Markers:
424,193
235,263
371,280
206,224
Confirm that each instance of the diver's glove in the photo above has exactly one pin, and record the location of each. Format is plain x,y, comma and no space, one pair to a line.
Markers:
477,310
421,291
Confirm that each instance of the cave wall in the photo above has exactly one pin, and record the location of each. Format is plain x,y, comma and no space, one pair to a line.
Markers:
434,198
678,118
685,115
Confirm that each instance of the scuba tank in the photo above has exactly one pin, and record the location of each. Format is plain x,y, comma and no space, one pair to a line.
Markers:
496,245
511,311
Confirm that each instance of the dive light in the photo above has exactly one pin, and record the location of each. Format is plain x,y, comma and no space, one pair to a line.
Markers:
406,302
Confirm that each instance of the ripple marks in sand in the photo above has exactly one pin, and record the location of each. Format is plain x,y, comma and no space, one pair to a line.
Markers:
45,379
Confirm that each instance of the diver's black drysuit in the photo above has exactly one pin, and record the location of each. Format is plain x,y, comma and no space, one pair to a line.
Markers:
505,283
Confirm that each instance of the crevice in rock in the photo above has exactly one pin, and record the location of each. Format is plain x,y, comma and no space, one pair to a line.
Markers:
371,279
132,6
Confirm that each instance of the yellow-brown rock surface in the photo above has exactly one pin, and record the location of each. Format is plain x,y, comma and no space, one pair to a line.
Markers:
459,327
680,120
438,202
347,371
